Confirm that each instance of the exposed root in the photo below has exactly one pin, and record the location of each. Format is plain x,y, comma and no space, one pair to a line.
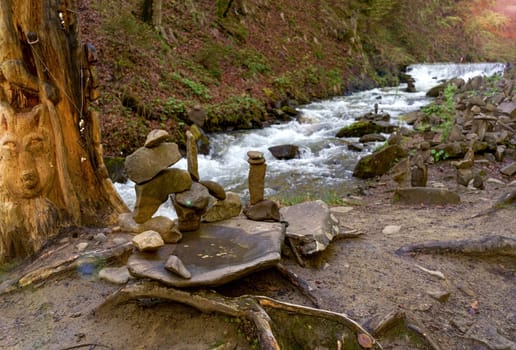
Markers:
273,320
488,246
505,201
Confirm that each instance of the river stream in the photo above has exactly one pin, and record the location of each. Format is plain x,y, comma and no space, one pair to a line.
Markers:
325,165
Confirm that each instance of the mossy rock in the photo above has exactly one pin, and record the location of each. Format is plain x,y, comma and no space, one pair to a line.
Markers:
362,128
379,163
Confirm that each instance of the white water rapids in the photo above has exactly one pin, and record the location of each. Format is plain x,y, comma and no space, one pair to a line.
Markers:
325,164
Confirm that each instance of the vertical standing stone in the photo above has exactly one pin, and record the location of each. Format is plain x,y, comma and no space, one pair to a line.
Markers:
191,156
256,176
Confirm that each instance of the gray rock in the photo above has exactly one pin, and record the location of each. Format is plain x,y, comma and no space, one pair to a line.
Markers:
151,194
425,195
155,137
197,197
372,138
439,295
145,163
175,265
148,241
311,226
362,128
509,170
378,163
284,151
215,254
215,189
263,210
225,209
116,275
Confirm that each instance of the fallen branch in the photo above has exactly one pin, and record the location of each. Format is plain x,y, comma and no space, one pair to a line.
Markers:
272,319
488,246
68,263
303,287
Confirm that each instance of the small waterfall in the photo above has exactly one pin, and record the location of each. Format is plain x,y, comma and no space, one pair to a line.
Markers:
325,164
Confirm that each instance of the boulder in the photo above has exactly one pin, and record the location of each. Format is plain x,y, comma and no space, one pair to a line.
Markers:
145,163
378,163
215,254
425,196
357,147
362,128
150,195
285,151
311,226
224,209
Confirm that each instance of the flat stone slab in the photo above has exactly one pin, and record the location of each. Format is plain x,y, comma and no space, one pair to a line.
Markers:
311,226
145,163
425,195
215,254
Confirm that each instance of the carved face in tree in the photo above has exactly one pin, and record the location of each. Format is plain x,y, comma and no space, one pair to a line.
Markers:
27,168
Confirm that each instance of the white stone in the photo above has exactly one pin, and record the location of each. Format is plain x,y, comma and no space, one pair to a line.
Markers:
391,229
117,275
81,246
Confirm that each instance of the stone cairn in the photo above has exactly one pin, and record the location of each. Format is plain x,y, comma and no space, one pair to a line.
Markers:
259,209
155,182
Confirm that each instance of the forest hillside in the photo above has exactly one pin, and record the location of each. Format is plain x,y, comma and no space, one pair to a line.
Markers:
246,62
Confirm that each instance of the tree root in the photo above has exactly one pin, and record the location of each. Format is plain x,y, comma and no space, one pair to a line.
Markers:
276,322
487,246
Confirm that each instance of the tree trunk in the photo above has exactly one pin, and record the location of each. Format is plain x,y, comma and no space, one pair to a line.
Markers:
51,170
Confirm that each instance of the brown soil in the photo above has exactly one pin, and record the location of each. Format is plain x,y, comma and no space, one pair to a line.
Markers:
362,277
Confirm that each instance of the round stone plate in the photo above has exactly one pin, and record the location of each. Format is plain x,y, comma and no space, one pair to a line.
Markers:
215,254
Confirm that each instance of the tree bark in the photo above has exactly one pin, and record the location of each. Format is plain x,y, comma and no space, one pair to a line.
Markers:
51,157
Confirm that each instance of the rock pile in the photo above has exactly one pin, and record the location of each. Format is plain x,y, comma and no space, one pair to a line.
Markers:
467,119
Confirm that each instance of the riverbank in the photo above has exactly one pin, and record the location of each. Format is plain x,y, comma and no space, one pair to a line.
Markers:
470,306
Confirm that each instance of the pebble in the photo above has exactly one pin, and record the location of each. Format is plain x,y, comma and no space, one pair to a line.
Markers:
81,246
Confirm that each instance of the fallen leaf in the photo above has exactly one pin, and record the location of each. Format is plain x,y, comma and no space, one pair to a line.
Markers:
365,341
473,307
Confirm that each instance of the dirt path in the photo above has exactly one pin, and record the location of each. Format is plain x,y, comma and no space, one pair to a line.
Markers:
362,277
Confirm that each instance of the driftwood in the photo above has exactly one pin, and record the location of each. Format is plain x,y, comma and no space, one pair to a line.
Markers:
487,246
277,323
